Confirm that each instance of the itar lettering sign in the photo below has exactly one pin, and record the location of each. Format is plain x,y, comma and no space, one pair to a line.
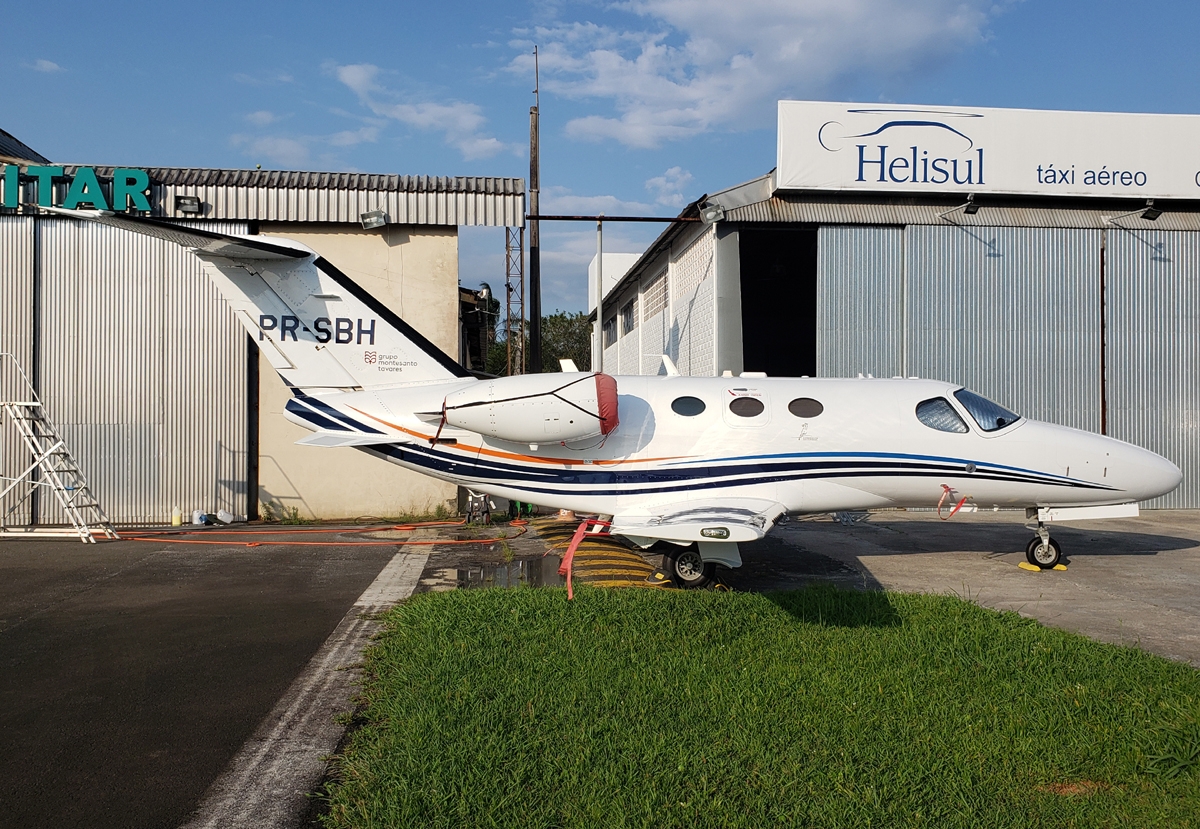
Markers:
129,187
825,146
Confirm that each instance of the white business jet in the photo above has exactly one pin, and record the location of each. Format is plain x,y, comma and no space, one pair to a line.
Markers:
701,463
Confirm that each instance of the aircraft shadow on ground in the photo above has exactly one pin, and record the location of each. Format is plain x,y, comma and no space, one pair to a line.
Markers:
868,539
829,607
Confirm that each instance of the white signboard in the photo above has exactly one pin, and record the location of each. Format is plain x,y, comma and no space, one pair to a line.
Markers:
925,149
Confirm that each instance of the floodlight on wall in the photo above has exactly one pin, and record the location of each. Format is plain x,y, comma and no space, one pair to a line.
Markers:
970,208
188,204
372,219
712,214
1150,213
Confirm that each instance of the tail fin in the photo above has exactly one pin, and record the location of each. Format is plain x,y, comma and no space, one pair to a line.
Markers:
317,328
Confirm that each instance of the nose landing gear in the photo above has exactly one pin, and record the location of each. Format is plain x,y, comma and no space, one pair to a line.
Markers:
1043,551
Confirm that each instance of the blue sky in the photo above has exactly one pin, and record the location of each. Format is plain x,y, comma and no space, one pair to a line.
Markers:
646,104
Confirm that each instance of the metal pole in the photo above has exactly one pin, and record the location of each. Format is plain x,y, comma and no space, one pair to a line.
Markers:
598,336
535,244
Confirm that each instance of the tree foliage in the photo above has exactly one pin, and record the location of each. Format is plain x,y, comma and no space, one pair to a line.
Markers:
564,336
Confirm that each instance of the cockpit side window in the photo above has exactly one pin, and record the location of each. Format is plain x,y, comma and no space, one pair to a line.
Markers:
990,416
937,413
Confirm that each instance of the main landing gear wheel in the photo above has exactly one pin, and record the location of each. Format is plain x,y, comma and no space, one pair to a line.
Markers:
1044,554
684,566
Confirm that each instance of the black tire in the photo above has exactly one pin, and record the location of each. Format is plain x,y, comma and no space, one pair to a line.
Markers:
684,566
1040,555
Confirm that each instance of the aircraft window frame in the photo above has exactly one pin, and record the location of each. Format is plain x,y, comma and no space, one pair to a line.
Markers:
806,407
679,402
753,401
938,421
983,410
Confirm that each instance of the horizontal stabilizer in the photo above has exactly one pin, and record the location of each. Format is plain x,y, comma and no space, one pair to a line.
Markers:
333,439
204,242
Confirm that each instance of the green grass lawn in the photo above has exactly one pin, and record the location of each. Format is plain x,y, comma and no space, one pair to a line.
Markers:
813,708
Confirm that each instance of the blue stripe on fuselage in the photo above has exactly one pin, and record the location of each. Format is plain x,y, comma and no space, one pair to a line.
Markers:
635,482
935,458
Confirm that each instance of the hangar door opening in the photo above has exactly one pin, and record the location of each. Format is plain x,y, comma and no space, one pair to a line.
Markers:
779,300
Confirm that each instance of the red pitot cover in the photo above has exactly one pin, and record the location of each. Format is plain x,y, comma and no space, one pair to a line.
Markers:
606,398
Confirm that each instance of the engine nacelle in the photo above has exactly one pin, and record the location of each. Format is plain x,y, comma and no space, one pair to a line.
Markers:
536,408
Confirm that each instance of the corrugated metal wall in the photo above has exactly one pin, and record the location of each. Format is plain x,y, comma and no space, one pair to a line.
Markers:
1012,313
860,301
297,196
16,338
143,369
1152,304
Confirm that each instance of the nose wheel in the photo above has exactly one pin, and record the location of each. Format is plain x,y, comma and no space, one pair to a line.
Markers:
1043,551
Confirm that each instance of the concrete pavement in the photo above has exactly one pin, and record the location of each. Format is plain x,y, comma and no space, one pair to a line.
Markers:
1130,581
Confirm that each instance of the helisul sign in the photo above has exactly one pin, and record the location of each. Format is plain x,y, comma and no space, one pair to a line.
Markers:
906,148
128,187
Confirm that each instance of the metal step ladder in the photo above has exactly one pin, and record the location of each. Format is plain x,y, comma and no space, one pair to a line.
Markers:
53,467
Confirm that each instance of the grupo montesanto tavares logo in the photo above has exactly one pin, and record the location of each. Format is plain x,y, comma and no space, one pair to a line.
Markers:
909,146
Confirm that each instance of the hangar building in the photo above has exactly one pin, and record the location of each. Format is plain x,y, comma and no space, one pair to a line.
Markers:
157,389
1048,260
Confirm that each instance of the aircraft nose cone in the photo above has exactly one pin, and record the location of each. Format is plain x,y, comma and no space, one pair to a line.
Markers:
1149,475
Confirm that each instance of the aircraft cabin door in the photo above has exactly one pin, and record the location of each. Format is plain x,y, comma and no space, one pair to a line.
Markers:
747,411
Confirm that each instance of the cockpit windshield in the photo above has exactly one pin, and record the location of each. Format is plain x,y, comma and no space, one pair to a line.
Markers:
990,416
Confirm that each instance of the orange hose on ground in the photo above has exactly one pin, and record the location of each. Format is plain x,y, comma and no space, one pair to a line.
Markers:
159,536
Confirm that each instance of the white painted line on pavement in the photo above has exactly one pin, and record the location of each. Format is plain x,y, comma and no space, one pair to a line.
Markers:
267,782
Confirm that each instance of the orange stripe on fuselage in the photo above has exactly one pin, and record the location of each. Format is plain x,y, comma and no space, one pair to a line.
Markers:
513,456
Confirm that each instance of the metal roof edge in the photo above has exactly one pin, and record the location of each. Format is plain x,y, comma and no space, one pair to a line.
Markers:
15,151
817,210
749,192
306,179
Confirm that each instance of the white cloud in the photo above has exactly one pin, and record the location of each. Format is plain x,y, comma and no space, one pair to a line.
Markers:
43,65
262,118
562,201
699,65
350,138
668,188
460,122
285,152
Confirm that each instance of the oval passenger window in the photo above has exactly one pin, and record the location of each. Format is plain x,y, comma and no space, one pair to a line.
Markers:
687,406
746,406
805,407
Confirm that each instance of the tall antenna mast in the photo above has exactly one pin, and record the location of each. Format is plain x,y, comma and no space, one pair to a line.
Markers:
535,248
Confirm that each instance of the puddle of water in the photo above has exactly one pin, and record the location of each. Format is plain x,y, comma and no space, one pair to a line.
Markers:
541,571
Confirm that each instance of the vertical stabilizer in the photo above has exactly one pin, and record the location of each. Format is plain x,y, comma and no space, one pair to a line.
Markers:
316,326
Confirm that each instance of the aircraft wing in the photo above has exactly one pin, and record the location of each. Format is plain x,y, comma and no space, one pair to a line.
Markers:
724,519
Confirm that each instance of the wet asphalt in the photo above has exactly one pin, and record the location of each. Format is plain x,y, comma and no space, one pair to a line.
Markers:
131,672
